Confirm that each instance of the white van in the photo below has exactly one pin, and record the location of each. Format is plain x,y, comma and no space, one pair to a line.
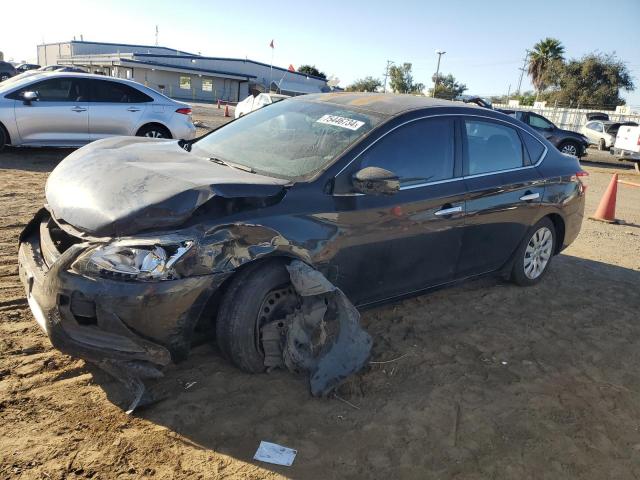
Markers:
627,146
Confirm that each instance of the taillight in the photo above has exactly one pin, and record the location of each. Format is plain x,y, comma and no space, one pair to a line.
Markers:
578,177
638,140
184,111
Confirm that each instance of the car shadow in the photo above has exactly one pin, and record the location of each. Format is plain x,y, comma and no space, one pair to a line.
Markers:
495,350
32,159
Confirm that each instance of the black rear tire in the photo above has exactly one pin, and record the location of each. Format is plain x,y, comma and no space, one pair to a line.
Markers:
3,138
602,145
518,273
154,131
237,325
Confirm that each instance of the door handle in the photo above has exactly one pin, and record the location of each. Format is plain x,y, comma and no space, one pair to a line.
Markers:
133,109
78,109
530,196
448,211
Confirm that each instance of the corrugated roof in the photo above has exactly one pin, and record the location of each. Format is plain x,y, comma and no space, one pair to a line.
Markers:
185,68
245,60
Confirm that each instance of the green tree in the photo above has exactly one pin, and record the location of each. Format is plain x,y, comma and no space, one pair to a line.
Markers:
545,54
447,87
311,70
402,79
594,80
366,84
525,98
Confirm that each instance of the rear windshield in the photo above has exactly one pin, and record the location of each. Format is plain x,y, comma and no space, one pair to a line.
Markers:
292,139
614,127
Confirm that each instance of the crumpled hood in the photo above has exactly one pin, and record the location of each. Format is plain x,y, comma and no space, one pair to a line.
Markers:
119,186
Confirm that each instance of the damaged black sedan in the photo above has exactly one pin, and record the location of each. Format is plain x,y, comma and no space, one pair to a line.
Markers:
274,226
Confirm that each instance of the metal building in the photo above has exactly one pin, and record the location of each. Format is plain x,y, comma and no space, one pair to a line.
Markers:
178,74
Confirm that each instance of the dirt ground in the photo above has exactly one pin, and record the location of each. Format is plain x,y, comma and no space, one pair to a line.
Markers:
485,380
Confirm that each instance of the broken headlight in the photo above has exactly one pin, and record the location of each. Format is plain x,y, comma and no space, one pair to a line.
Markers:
147,262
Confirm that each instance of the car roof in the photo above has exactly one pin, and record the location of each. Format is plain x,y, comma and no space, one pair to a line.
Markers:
381,103
42,75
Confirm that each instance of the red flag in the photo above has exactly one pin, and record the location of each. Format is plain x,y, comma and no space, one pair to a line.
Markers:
292,68
271,44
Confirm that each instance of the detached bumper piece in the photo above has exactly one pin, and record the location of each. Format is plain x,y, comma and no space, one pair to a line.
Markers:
323,337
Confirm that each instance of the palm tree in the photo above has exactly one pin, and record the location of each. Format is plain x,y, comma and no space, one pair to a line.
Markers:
544,53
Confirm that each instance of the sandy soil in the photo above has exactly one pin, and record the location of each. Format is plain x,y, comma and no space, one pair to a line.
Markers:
485,380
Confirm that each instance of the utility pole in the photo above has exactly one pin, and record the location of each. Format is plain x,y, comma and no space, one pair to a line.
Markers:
523,69
435,83
386,74
156,35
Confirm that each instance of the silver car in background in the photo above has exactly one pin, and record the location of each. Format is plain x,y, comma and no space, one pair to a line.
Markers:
72,109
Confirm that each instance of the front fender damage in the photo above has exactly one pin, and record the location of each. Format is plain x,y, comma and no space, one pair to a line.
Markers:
322,337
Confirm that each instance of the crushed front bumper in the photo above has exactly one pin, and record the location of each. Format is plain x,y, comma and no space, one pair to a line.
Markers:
130,329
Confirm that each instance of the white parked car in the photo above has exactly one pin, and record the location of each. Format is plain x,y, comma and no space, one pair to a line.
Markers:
252,103
627,145
601,133
72,109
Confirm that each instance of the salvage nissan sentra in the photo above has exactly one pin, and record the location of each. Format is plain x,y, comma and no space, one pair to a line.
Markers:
276,225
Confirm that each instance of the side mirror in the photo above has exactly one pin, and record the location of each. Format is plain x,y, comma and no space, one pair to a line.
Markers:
375,181
29,97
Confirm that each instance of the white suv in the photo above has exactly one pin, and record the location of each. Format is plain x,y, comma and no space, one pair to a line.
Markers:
72,109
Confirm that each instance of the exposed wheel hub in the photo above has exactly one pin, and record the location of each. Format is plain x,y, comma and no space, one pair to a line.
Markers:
277,304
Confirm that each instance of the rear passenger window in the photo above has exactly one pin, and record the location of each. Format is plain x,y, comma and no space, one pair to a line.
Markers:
538,122
418,152
534,147
112,92
492,147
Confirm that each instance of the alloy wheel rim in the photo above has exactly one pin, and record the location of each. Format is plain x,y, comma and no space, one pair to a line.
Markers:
538,253
154,134
570,149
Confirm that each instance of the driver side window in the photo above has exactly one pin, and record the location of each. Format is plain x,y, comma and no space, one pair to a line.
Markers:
418,152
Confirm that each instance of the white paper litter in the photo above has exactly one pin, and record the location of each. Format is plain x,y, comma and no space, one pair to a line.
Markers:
276,454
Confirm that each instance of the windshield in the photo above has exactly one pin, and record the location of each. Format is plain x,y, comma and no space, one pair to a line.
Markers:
292,139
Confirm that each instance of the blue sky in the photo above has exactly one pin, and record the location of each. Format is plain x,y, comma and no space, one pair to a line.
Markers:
485,41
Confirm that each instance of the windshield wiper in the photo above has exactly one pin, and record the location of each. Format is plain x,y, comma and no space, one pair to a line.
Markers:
219,161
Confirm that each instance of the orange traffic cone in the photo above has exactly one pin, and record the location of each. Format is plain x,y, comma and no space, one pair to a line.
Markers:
606,211
226,111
